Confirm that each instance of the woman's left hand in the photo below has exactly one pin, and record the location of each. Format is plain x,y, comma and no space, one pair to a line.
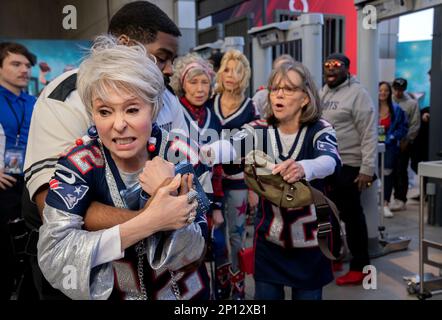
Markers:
290,170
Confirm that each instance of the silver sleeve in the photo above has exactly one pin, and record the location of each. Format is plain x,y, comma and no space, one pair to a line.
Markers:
174,250
65,254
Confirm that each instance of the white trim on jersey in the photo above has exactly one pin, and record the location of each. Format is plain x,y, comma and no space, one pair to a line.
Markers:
298,147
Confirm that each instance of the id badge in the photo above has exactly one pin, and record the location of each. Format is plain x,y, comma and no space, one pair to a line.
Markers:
14,160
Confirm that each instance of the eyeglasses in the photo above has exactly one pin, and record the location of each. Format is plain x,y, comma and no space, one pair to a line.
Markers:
286,91
333,64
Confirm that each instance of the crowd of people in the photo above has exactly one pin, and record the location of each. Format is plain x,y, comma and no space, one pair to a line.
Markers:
93,168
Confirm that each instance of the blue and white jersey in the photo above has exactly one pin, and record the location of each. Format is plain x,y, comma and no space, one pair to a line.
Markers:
287,250
87,173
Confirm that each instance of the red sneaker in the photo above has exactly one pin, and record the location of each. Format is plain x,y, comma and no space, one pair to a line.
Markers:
337,266
351,277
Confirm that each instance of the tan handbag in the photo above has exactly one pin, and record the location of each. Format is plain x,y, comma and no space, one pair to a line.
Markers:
258,177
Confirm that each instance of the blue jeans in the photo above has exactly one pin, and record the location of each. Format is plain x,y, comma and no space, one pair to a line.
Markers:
271,291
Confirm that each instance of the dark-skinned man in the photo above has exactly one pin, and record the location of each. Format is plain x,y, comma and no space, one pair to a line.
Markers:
349,108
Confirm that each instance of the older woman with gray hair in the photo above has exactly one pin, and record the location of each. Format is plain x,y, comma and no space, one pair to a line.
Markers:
192,82
143,257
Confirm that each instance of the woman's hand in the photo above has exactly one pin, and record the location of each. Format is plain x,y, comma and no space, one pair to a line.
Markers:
290,170
253,201
6,181
155,172
217,218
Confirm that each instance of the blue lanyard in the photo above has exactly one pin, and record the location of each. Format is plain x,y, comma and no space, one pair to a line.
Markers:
19,123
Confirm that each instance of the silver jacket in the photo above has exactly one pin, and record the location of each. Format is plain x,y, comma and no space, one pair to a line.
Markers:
65,254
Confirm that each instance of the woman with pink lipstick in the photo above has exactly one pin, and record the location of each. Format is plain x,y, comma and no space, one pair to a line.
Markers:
148,255
233,109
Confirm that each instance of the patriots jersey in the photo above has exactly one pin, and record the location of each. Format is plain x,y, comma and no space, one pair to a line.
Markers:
199,132
246,113
207,131
87,173
287,250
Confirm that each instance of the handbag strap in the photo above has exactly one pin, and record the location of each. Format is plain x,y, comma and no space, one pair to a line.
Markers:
323,206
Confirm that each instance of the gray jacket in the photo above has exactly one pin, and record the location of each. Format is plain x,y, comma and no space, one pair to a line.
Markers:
350,109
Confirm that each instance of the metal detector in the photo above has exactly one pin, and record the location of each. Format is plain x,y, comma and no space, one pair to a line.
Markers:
388,243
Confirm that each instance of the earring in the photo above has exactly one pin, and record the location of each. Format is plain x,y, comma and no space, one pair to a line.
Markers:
92,132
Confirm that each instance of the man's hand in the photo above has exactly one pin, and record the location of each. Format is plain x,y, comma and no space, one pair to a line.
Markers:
155,172
6,181
100,216
164,212
363,181
290,170
403,145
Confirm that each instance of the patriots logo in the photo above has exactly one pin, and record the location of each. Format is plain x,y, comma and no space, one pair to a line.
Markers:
70,194
327,147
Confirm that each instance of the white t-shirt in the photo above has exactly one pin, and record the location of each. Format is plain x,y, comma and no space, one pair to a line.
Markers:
59,118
